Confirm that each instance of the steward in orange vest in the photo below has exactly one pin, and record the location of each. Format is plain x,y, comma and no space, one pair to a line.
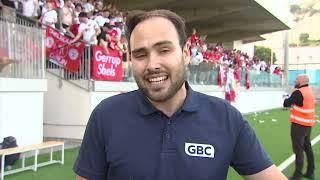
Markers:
302,103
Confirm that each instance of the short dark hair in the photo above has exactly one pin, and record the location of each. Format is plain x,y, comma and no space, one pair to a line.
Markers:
82,14
78,4
136,17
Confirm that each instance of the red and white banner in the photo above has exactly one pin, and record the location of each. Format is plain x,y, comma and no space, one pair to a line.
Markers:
106,66
60,52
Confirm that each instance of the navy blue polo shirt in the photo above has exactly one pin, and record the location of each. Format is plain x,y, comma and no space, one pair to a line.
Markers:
129,139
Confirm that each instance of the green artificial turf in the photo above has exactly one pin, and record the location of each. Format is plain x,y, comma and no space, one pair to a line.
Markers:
272,128
275,136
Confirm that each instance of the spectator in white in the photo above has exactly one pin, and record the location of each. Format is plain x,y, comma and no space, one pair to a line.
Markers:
88,7
49,16
119,16
88,28
67,13
103,18
30,8
196,59
263,65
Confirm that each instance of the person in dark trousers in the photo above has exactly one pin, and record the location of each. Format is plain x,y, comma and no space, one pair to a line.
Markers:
302,104
167,131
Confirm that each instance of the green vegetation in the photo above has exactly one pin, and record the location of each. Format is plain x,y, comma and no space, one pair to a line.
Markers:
305,41
275,137
264,53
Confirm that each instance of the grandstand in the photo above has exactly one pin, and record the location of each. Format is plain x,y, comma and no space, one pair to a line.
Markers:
44,96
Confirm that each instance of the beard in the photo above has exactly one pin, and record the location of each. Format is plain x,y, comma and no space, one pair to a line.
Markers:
173,84
297,85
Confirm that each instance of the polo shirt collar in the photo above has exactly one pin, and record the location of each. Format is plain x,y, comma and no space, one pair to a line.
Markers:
190,104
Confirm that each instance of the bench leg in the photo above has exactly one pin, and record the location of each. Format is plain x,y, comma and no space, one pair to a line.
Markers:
62,154
23,160
35,166
2,166
51,154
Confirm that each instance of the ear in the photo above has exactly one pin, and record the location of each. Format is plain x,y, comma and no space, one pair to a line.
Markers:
186,54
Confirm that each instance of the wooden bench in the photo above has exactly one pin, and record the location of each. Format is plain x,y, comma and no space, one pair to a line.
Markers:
31,148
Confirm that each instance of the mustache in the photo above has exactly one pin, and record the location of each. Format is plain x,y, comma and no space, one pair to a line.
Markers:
155,73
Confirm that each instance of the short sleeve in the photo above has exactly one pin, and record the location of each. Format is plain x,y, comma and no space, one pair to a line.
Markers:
91,160
249,156
81,28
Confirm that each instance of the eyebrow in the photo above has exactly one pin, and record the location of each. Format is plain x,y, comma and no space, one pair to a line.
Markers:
160,43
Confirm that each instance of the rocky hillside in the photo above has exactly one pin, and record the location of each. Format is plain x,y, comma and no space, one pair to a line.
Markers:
306,17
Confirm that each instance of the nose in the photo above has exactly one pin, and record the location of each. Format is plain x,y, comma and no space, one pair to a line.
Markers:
154,62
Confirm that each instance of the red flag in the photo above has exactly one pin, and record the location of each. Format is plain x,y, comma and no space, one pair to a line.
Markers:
106,66
221,75
61,52
247,81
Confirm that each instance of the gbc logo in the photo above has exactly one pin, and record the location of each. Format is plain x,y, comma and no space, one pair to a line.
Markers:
199,150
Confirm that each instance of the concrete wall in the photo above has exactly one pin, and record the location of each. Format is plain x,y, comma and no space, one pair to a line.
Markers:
66,109
21,109
255,99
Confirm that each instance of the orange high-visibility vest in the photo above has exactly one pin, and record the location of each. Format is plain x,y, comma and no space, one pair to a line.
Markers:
304,115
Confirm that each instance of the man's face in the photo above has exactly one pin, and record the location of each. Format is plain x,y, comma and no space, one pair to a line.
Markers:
106,14
79,8
68,3
83,19
158,61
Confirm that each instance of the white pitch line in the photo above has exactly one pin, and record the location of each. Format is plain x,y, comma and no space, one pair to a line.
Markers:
291,159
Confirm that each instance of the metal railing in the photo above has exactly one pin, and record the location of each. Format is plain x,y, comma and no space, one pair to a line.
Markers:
209,76
23,44
311,69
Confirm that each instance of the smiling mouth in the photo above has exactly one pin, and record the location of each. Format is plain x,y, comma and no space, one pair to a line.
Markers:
157,80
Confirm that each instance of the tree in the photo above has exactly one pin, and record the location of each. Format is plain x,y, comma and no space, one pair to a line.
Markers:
274,58
304,38
264,53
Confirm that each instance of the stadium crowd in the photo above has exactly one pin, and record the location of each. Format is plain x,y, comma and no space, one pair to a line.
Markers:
101,24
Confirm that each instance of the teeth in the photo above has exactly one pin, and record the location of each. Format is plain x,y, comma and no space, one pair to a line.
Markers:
158,79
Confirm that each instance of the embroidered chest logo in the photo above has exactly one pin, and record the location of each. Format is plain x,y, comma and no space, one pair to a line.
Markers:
199,150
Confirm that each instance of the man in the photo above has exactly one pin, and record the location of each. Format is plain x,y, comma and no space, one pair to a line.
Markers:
168,131
103,18
49,16
67,14
302,102
88,29
30,8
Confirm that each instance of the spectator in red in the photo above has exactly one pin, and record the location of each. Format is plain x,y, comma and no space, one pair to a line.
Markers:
113,33
194,37
236,74
277,71
73,30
